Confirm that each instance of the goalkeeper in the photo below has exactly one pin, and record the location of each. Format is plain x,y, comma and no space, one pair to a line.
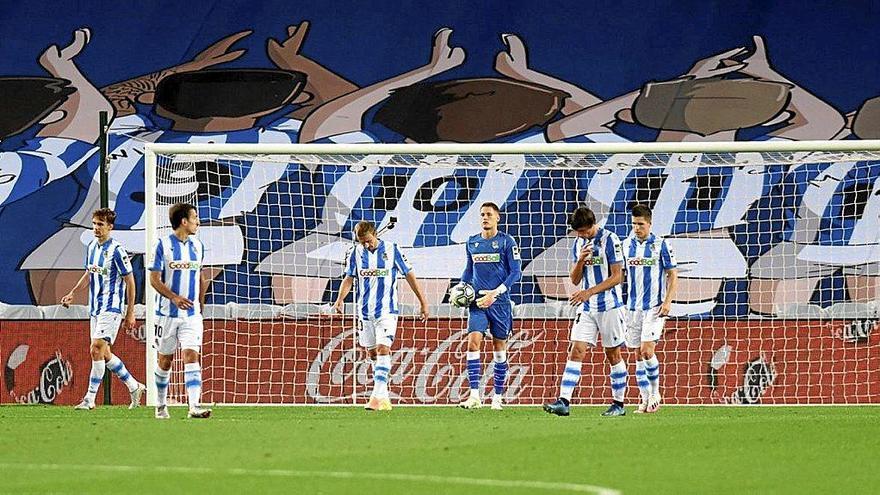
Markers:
493,266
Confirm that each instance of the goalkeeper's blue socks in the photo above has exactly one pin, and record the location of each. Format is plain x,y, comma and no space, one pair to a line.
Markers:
500,368
474,370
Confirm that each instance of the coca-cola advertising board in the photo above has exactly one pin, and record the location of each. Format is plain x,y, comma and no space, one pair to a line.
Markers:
316,361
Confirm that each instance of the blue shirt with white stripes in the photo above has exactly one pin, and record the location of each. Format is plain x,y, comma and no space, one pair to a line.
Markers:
39,162
646,263
376,272
181,264
597,268
107,264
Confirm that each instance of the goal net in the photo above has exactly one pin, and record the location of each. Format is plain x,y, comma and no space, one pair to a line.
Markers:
777,247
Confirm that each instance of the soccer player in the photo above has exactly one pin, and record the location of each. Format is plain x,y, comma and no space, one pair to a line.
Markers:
493,266
597,258
177,276
376,263
110,280
651,277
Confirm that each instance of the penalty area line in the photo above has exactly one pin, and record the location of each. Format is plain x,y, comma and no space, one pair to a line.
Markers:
341,475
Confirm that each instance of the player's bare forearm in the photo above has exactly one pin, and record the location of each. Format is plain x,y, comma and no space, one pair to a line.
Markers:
161,288
203,287
614,278
576,275
416,288
68,298
344,289
129,294
671,286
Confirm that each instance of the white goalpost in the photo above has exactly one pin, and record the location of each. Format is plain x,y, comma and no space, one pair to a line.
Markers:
778,245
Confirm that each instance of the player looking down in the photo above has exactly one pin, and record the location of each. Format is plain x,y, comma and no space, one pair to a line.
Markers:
176,274
375,264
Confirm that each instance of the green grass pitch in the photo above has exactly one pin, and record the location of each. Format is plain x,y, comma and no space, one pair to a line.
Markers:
250,450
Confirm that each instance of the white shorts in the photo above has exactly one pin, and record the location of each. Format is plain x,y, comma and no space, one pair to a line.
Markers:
643,326
377,331
185,331
588,326
104,326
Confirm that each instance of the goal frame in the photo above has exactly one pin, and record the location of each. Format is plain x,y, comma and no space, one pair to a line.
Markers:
153,150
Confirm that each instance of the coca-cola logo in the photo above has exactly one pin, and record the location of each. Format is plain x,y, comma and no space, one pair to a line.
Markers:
758,375
137,332
856,330
53,376
434,371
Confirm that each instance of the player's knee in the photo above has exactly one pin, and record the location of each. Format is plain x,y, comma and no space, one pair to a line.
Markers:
577,353
190,356
380,350
164,362
97,350
613,355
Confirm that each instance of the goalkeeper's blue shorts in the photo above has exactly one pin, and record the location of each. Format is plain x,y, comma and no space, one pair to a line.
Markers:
496,320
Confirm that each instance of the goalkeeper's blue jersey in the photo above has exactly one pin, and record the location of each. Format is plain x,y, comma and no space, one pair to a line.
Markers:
492,262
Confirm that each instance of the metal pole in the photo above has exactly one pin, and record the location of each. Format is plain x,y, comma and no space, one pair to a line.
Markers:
103,172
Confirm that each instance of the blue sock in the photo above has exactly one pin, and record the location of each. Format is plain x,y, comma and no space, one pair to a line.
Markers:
500,371
474,369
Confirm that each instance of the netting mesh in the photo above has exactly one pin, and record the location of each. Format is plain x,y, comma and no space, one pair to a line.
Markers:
779,270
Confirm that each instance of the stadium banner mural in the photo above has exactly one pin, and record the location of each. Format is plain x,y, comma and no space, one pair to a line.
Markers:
312,362
794,234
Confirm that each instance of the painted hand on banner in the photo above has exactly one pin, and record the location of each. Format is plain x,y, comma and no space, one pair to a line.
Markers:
443,56
512,63
717,65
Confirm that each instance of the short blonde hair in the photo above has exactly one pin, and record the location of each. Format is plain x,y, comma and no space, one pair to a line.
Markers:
363,228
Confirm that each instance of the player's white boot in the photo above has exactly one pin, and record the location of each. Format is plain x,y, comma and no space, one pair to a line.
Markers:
653,403
497,402
85,405
162,412
473,402
643,406
199,413
136,396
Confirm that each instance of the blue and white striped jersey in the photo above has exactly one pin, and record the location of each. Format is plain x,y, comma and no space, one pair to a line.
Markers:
646,263
107,264
181,266
606,252
376,273
39,162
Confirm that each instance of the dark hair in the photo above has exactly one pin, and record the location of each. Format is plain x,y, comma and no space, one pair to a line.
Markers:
489,204
27,100
227,92
582,217
106,215
178,212
364,227
641,211
468,110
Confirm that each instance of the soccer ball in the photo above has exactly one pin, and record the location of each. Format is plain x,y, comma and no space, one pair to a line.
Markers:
462,295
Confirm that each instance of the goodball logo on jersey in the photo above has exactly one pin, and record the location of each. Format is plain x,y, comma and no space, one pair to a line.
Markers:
184,265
